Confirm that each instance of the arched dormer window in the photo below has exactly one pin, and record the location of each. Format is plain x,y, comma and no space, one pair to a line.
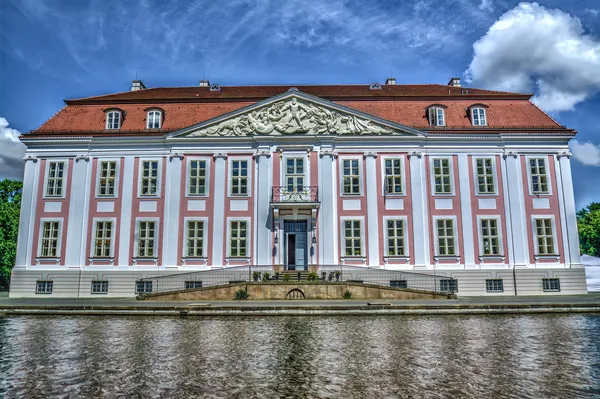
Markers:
215,88
436,115
154,119
478,115
114,119
375,86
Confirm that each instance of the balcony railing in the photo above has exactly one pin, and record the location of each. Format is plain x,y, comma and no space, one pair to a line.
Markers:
306,194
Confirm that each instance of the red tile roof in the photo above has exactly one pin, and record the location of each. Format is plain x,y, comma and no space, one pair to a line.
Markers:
403,104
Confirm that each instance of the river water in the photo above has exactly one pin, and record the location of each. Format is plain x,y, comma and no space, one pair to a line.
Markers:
537,356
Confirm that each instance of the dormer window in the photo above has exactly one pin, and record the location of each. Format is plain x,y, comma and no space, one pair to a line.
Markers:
113,120
437,116
215,88
375,86
478,116
154,119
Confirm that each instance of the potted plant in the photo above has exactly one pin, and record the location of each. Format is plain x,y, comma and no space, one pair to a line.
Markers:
256,276
286,277
277,276
312,276
265,276
324,276
337,275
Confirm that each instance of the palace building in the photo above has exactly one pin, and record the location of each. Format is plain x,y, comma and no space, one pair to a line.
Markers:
435,179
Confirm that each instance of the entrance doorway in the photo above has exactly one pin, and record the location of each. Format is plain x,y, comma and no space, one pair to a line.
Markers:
295,232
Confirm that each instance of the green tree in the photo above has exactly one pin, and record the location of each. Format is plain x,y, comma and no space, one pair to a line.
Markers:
588,224
10,207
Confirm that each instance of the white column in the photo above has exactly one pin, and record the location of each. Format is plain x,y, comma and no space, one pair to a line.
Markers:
572,255
261,203
27,216
329,226
125,234
516,204
219,209
75,250
372,191
466,213
420,217
172,203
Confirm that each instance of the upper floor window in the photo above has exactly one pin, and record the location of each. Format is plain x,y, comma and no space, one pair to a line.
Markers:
294,174
149,178
55,182
436,116
103,239
50,239
544,235
539,175
239,177
197,177
238,238
445,237
490,237
195,238
113,120
107,179
442,176
395,234
351,176
146,236
485,176
393,176
352,238
478,116
154,119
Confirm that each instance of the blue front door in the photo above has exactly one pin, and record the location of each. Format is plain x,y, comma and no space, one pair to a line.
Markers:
295,244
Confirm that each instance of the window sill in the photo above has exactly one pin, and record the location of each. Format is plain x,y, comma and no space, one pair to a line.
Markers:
41,259
47,198
484,258
487,194
555,258
348,258
388,195
106,197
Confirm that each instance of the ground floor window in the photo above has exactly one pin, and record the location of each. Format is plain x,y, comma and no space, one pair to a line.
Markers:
99,287
448,285
238,239
398,284
352,238
43,287
445,237
551,284
395,237
143,287
193,284
494,285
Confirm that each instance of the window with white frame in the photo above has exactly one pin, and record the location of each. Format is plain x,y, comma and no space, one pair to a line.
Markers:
490,237
50,239
143,287
55,180
197,177
442,176
478,117
544,235
445,237
448,285
551,284
146,238
352,238
103,239
238,238
239,177
494,285
351,176
195,239
393,176
113,120
395,233
485,176
107,178
193,284
99,287
44,287
294,174
149,178
538,175
154,119
436,116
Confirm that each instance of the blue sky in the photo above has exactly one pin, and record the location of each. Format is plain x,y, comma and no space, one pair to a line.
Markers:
51,50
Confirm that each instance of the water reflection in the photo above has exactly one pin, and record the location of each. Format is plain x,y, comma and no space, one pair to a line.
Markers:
430,357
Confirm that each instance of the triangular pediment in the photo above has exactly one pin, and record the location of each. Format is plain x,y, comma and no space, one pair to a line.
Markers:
296,113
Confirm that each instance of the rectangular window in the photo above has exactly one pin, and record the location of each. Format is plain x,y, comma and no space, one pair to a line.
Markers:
441,175
238,239
539,176
448,285
294,174
145,244
239,178
55,182
99,287
445,237
193,284
395,237
551,284
490,237
143,287
50,237
494,285
351,176
478,117
544,236
195,239
43,287
149,178
485,176
103,239
107,179
352,238
393,176
398,284
197,178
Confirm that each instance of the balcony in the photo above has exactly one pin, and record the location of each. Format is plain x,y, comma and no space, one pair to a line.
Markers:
301,195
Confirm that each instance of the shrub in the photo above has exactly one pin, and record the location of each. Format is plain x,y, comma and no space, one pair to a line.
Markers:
265,276
256,276
312,276
347,295
241,294
286,277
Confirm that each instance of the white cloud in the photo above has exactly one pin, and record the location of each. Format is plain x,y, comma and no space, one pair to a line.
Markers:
592,11
11,152
586,153
486,5
534,49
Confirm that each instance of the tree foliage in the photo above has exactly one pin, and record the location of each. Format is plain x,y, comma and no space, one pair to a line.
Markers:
588,224
10,207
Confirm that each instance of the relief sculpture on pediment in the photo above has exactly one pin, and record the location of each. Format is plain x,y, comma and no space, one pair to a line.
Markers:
294,117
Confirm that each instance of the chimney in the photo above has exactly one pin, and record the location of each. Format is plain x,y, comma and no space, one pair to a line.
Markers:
204,83
454,82
390,81
137,85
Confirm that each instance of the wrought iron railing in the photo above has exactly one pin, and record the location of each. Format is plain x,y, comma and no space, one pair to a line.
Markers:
295,194
317,273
